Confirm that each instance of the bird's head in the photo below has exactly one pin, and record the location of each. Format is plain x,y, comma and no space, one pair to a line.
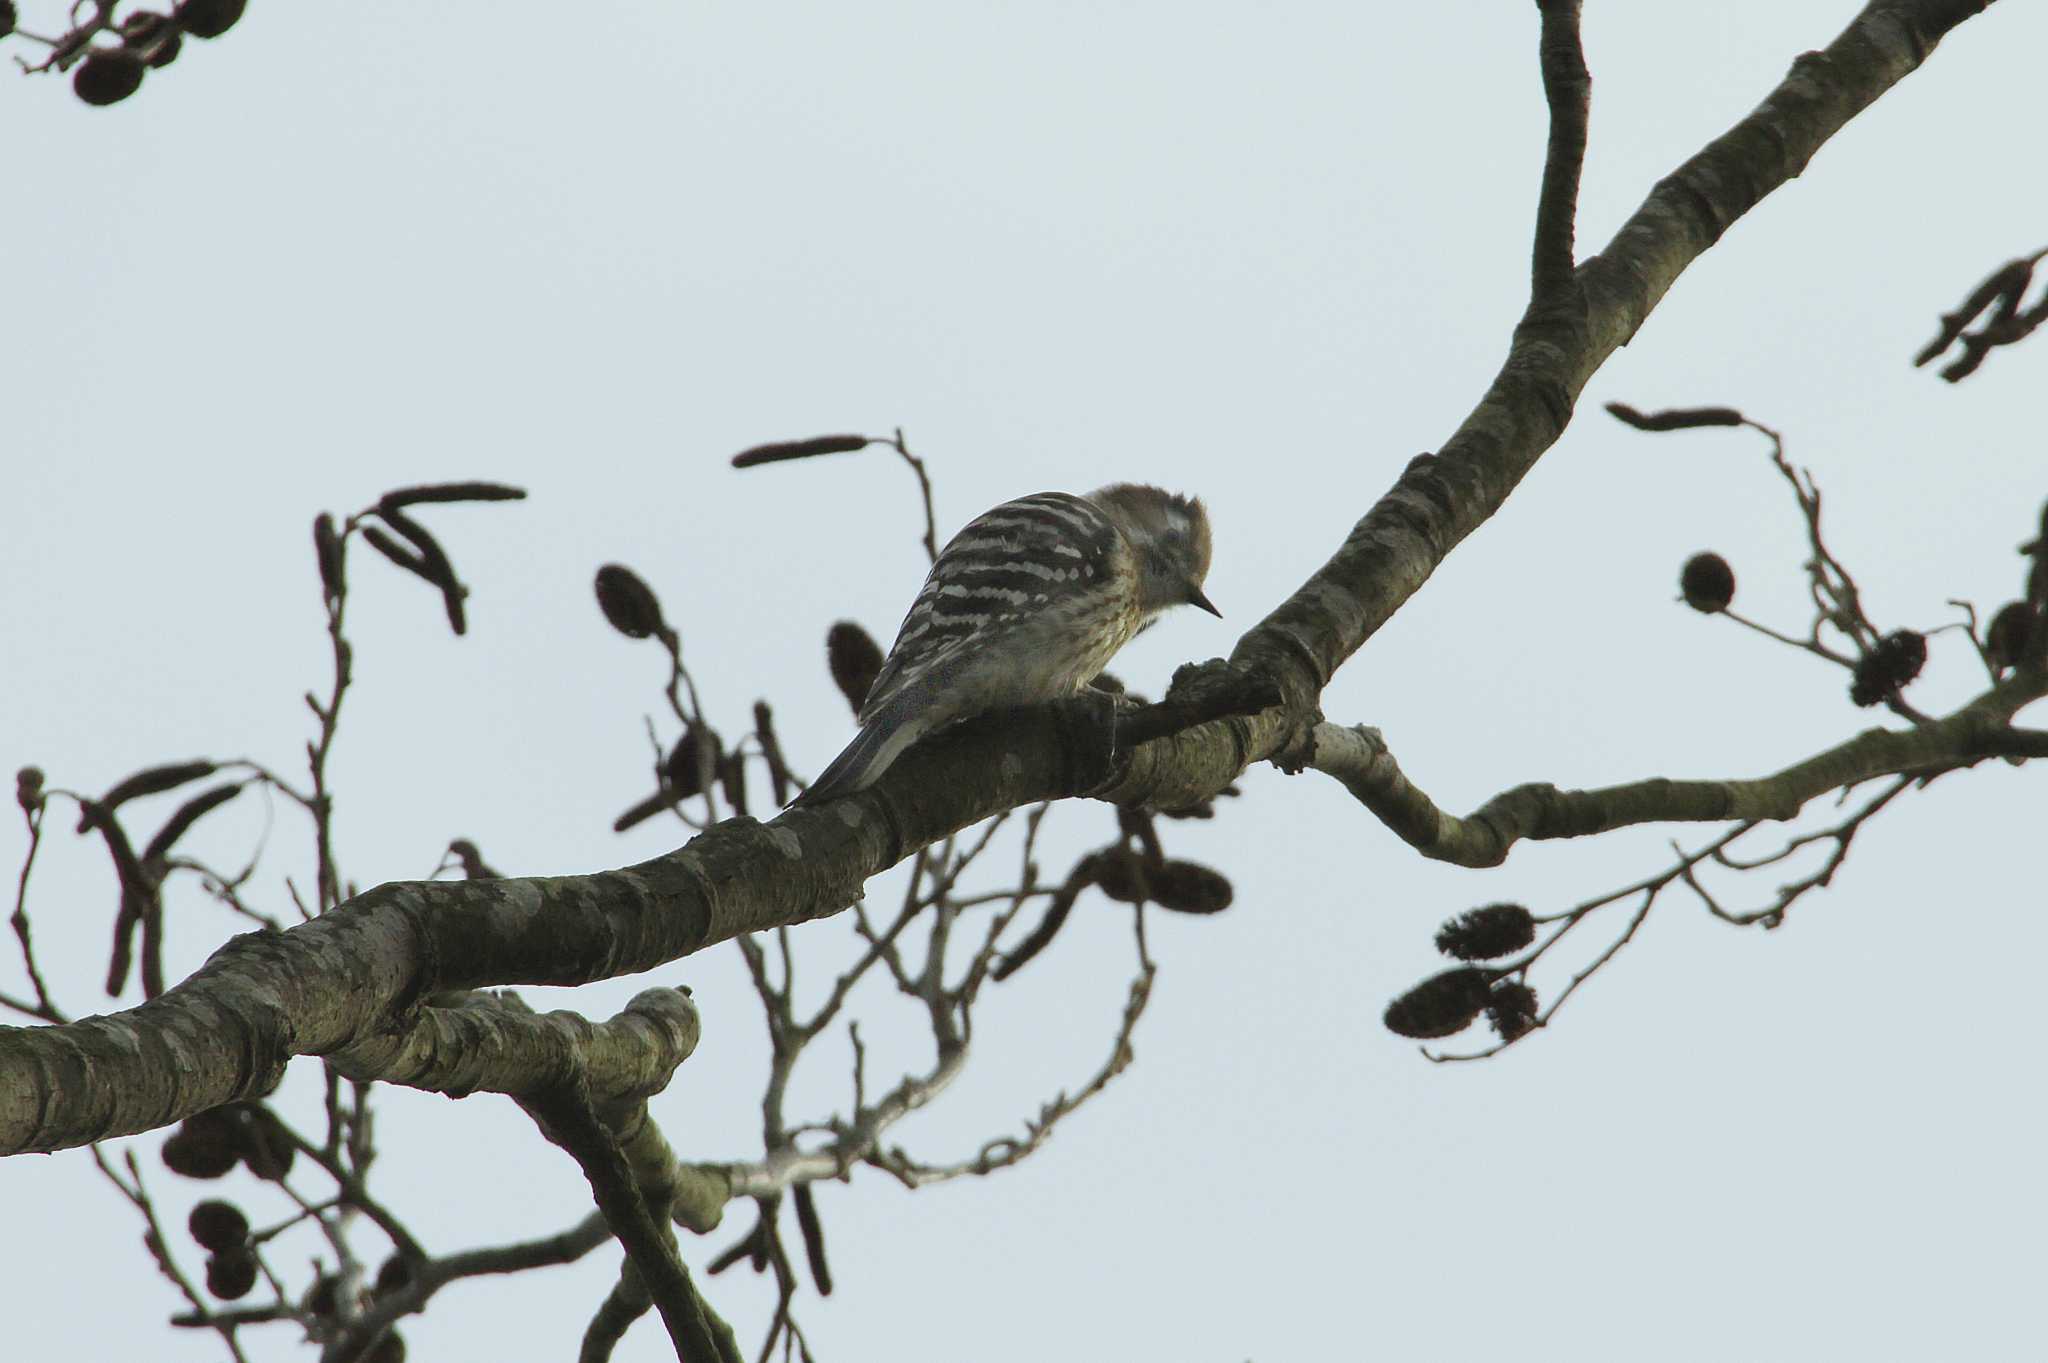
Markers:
1170,534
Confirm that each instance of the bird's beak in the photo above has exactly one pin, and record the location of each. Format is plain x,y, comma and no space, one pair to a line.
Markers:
1195,598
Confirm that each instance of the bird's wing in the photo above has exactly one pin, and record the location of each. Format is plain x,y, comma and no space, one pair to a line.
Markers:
1008,566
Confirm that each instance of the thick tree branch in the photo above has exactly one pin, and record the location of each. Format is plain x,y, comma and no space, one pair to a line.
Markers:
1568,90
1440,500
496,1044
1200,692
2018,743
572,1120
364,969
1358,757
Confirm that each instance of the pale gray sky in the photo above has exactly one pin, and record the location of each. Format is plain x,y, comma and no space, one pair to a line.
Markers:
1262,253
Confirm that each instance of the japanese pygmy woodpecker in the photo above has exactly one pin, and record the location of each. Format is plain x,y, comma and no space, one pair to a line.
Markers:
1028,603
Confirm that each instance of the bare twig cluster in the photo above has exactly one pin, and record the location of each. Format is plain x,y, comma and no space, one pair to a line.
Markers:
586,1085
947,941
2001,315
109,47
1497,979
941,947
340,1308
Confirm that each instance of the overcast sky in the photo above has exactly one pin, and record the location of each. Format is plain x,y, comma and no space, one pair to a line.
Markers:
1262,253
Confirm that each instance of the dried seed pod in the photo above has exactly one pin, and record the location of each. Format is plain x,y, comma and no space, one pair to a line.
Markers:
393,1275
855,660
1708,583
432,560
1674,418
192,1158
433,565
231,1272
814,1239
148,781
628,603
208,18
1486,933
152,38
188,814
28,789
390,1349
2010,632
1120,873
398,553
401,497
327,550
771,749
642,810
2008,280
684,768
1442,1005
217,1225
1895,661
1511,1010
108,76
777,451
732,778
1048,927
205,1145
1189,887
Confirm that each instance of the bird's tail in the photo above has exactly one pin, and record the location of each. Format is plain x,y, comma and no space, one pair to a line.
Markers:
878,744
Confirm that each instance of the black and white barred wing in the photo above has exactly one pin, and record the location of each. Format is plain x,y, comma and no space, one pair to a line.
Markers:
1024,604
1035,566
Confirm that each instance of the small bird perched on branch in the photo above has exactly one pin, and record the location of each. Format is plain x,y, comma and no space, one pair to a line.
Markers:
1027,604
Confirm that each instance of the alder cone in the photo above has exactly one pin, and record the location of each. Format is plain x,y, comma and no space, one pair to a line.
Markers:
205,1145
327,553
1708,583
217,1225
230,1273
855,659
141,31
2012,629
393,1275
107,78
1442,1005
628,603
209,18
681,769
1887,668
1511,1010
1484,934
1189,887
1120,873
